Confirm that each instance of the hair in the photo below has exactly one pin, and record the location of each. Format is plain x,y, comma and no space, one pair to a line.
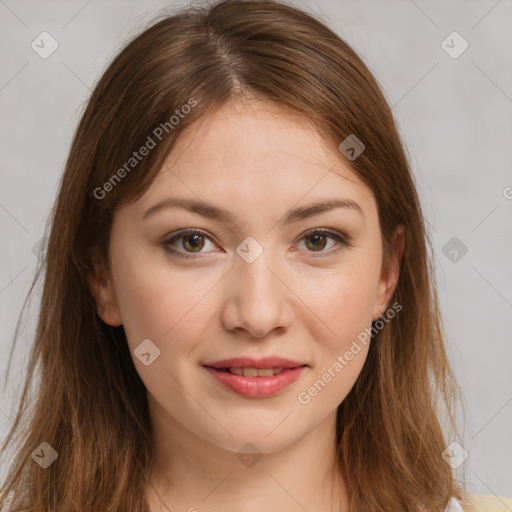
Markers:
91,405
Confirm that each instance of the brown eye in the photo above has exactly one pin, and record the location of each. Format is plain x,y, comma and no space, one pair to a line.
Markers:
193,243
324,241
318,242
188,243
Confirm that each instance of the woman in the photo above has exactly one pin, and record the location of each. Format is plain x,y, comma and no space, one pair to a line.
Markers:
238,309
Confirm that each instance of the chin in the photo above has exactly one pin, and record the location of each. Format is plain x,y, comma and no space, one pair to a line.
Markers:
249,438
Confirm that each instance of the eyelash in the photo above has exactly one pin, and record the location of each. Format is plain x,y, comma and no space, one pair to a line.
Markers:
343,241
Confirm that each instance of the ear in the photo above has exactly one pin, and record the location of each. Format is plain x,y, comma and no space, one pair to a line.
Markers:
390,273
102,290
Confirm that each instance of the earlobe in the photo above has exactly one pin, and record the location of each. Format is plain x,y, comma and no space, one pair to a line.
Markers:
104,296
389,278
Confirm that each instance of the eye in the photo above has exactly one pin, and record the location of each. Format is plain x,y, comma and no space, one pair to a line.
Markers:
317,239
192,241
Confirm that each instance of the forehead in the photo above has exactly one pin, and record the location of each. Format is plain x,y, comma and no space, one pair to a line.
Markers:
255,155
256,141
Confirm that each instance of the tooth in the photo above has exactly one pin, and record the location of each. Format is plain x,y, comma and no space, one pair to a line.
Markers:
277,370
265,372
236,371
250,372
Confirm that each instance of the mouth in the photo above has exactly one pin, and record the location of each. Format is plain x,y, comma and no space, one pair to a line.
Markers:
251,372
256,378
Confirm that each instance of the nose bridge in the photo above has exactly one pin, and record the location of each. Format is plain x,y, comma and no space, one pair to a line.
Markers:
257,298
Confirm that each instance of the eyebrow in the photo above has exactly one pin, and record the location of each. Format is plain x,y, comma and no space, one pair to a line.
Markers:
215,213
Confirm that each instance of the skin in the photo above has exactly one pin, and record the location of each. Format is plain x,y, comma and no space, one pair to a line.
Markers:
299,300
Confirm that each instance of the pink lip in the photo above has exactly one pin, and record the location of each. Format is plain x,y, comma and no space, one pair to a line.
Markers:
257,387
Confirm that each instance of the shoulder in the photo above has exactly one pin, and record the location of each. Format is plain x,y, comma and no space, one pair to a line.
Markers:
482,503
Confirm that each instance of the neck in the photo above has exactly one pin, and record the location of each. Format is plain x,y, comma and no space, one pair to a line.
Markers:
192,474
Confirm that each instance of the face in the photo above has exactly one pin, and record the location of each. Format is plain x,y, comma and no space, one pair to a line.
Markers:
252,273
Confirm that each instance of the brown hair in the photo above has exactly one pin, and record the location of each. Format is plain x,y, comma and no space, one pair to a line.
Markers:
91,405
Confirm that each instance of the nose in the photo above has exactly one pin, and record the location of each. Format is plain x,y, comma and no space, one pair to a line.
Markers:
257,298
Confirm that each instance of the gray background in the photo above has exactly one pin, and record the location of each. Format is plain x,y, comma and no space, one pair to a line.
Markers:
455,117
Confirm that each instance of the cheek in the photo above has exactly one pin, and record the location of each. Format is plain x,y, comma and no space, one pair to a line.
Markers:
157,301
345,308
343,299
345,305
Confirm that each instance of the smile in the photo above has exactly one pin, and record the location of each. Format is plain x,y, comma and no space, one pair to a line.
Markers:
256,382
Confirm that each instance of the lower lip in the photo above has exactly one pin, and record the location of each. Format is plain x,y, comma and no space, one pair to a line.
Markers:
258,387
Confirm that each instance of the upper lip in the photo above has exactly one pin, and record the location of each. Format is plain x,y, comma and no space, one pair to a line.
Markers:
251,362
